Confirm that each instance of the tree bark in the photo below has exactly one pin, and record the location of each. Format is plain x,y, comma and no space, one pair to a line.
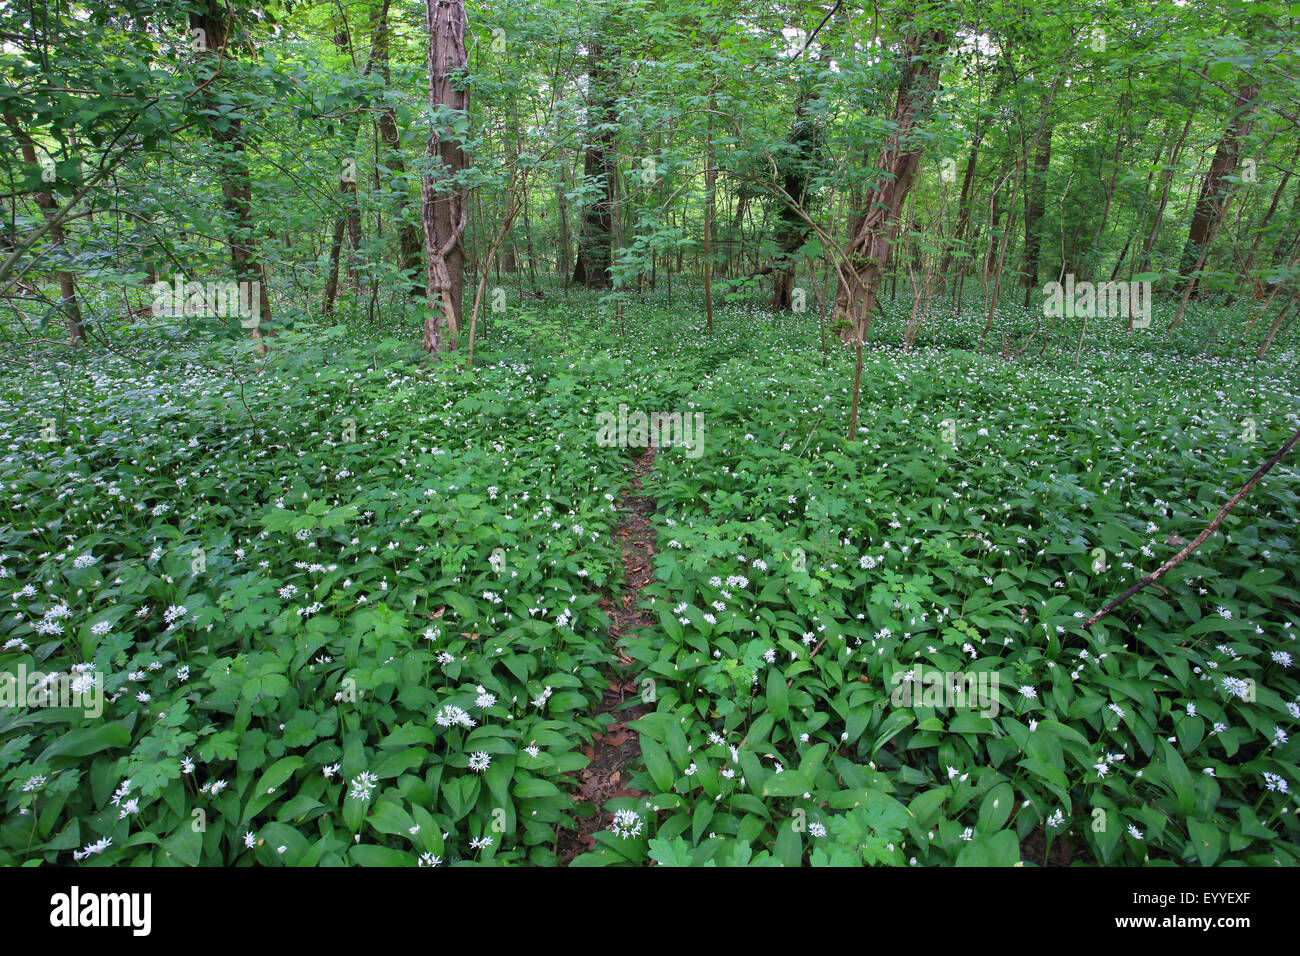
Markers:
876,226
1035,204
445,205
796,168
595,231
1213,198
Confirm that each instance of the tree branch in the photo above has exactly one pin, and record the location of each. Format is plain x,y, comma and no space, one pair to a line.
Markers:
1196,543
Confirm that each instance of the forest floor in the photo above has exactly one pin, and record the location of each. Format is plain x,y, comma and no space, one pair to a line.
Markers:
362,608
615,752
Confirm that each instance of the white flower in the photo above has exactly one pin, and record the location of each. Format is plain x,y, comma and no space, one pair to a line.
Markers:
362,785
98,847
479,761
1237,687
451,715
1275,783
627,824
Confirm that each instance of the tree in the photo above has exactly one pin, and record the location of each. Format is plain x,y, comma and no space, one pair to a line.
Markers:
209,25
445,195
1212,201
50,209
876,225
599,170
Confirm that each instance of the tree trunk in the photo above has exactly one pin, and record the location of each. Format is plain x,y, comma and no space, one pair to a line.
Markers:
562,256
595,232
1212,201
408,234
1277,324
332,276
1145,264
510,251
232,161
446,208
49,207
796,167
965,202
876,225
710,210
1035,203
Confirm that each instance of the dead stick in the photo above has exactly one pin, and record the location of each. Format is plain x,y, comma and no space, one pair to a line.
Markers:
1209,530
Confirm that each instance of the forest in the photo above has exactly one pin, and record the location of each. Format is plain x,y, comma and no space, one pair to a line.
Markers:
576,433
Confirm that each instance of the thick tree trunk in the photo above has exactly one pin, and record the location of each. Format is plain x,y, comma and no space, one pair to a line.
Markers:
595,232
796,168
1035,203
1215,188
446,208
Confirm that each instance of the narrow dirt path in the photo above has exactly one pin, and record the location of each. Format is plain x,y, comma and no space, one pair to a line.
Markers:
615,752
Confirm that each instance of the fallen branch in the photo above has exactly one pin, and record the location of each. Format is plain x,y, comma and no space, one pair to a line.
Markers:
1197,541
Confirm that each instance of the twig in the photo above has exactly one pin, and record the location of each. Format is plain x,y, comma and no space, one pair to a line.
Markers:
1196,542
